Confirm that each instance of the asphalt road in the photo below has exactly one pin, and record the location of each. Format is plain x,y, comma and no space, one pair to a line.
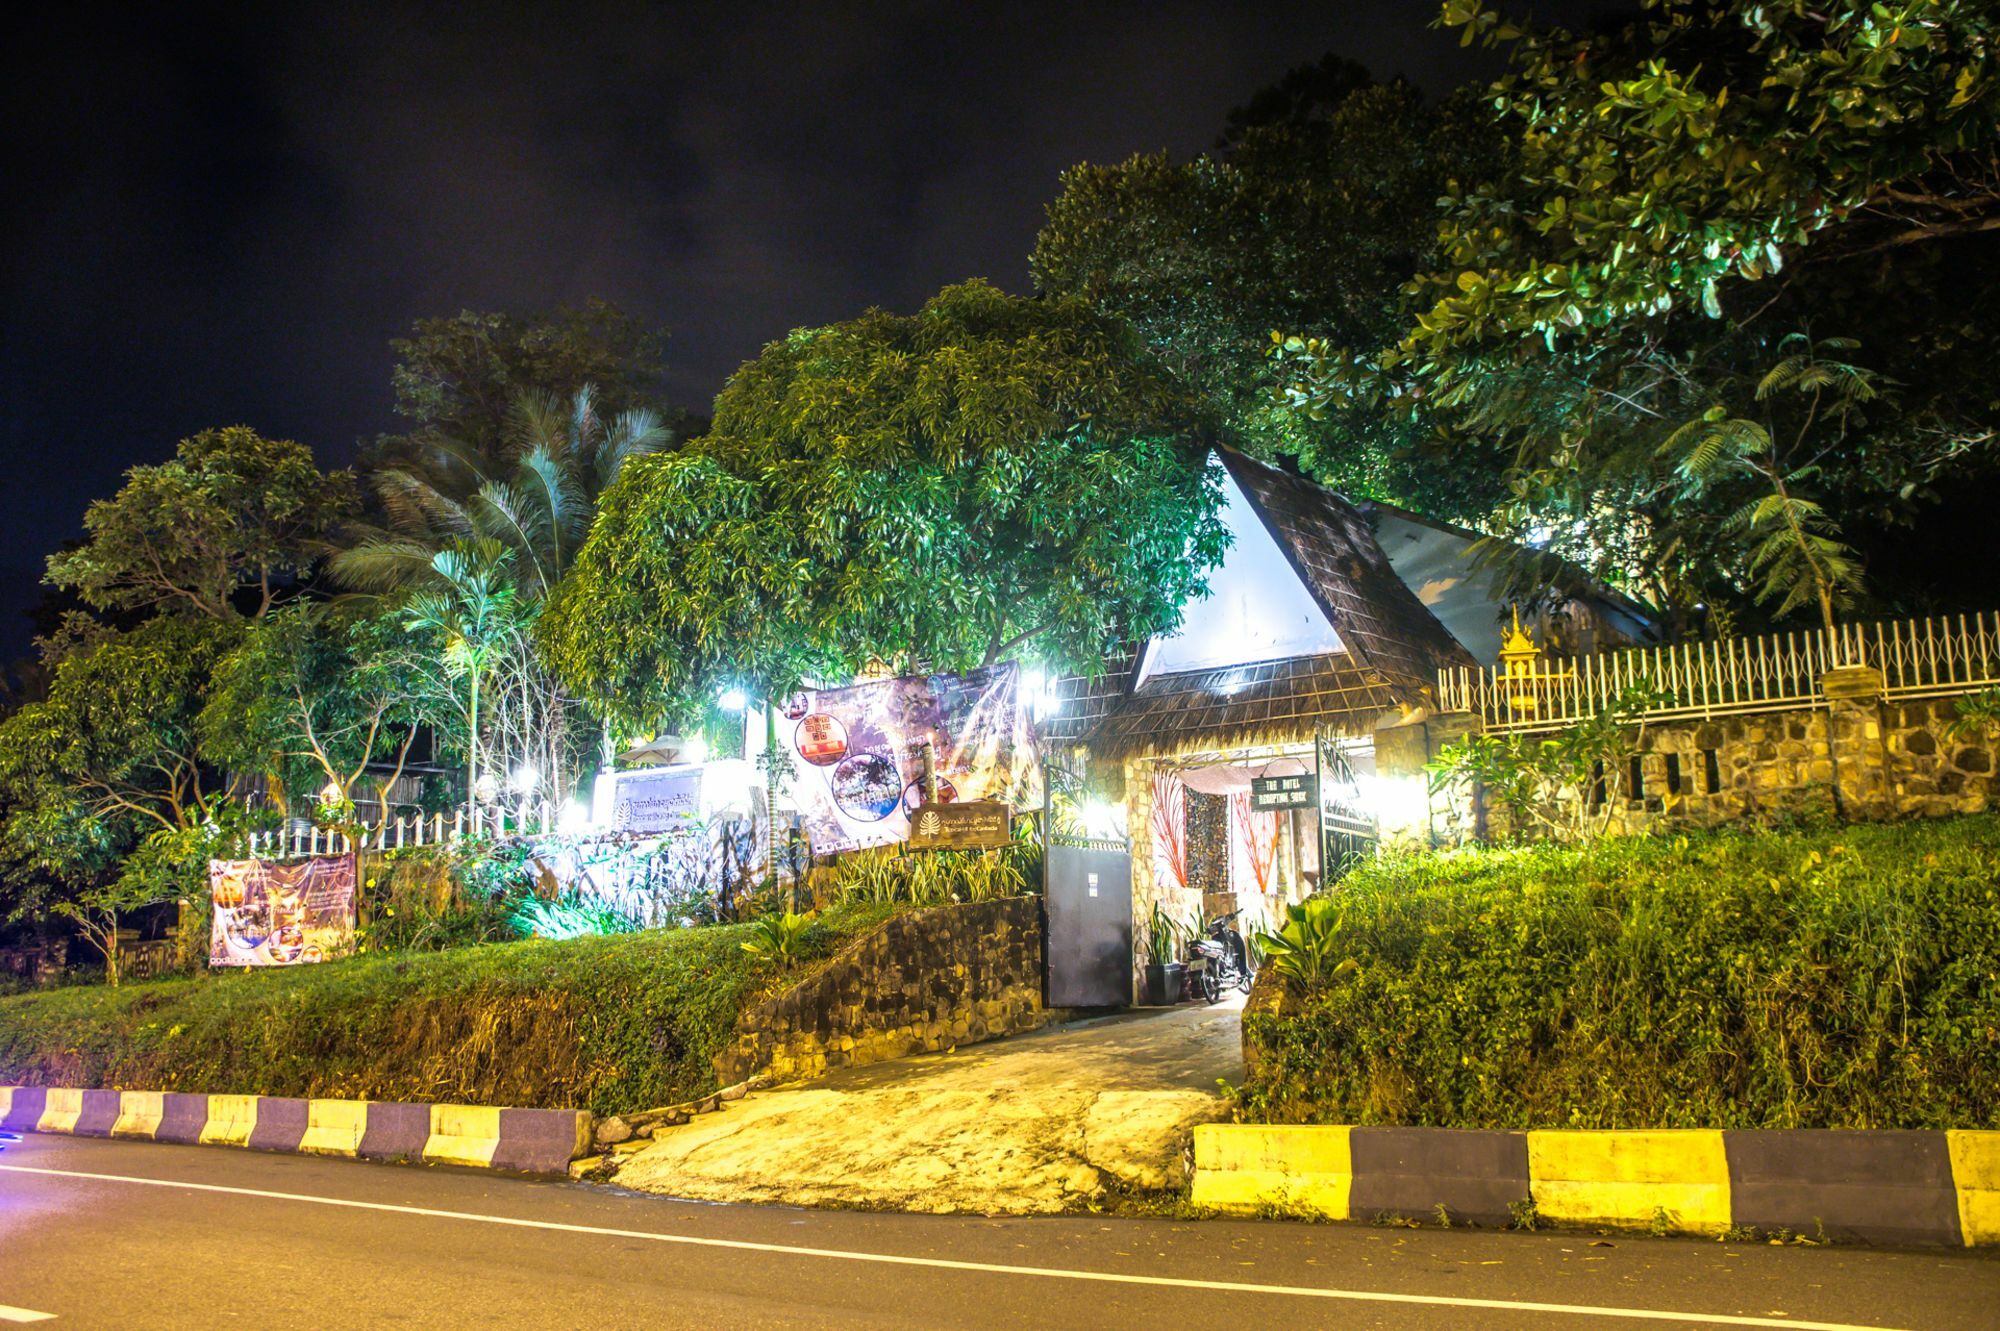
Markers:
131,1234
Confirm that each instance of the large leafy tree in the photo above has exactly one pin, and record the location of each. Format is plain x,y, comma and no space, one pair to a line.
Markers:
987,477
218,532
316,692
1807,172
108,759
1311,216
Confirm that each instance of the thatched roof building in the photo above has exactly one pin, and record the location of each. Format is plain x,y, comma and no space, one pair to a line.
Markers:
1308,631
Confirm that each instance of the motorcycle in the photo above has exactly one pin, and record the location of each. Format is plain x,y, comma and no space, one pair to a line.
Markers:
1218,961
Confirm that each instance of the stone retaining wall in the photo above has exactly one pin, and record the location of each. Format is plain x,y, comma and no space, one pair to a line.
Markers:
926,981
1885,759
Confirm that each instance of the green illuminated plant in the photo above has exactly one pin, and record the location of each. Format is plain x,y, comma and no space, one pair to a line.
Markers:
1306,950
779,937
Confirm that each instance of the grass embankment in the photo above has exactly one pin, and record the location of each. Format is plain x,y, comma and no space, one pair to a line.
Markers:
1829,977
615,1023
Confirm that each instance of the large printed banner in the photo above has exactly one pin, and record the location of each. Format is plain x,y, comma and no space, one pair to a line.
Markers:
859,752
269,913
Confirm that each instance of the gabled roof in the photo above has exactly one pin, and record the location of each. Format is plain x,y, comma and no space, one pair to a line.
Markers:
1384,626
1472,599
1393,646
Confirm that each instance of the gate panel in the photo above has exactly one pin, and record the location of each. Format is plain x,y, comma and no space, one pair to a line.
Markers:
1089,951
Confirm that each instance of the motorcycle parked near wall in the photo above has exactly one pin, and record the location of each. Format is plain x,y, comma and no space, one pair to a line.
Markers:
1218,961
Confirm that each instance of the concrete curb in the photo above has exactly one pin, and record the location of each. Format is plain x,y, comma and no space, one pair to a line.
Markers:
522,1141
1895,1187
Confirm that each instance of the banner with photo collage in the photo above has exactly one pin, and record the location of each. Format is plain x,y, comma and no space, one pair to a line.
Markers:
859,752
271,913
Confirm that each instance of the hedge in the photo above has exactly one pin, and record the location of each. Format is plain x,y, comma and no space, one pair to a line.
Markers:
1818,977
625,1022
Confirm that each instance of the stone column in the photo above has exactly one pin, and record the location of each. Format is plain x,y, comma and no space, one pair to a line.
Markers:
1860,755
1405,814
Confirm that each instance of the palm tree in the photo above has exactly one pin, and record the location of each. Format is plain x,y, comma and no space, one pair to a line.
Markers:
535,494
471,603
475,540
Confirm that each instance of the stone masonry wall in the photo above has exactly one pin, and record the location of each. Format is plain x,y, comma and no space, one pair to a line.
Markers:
1887,759
929,980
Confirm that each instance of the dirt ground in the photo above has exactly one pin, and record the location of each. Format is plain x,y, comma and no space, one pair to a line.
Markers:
1059,1120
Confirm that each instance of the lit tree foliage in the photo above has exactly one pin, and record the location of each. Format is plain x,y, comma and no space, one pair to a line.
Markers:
316,692
1814,171
989,476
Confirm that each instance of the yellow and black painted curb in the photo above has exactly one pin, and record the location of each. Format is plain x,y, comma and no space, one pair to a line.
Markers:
1897,1187
524,1141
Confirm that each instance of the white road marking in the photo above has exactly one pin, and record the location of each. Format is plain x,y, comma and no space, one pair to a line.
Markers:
987,1268
10,1314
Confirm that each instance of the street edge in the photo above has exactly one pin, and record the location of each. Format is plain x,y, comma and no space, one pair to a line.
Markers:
1888,1186
539,1142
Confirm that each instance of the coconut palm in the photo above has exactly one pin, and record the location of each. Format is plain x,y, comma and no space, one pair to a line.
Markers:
535,495
473,543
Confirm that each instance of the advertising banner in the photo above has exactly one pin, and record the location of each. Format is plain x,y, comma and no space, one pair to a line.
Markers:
859,752
271,913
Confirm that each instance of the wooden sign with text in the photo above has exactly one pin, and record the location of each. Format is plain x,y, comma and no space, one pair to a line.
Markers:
974,825
1283,792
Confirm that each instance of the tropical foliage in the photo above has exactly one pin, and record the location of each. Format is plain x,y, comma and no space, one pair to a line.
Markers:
1763,978
989,476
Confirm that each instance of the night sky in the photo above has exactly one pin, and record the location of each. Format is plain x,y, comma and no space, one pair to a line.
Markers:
222,215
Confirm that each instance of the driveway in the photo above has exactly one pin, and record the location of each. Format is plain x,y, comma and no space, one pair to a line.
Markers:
1061,1120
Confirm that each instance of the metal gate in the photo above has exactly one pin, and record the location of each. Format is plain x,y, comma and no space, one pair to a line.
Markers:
1088,951
1347,828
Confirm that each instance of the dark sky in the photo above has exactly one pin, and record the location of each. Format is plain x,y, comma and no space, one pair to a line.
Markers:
222,215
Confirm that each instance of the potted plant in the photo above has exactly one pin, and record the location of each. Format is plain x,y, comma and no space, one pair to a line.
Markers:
1164,973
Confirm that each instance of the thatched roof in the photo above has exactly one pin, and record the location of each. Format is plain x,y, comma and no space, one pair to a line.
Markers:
1393,647
1270,702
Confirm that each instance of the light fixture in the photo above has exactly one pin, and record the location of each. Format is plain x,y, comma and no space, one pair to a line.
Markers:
696,751
575,818
524,779
732,699
487,788
330,793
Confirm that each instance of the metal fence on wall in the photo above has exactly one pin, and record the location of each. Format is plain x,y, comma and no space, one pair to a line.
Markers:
1918,658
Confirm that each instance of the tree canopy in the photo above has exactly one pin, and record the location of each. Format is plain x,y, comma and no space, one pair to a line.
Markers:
232,512
1809,171
1312,215
990,475
463,375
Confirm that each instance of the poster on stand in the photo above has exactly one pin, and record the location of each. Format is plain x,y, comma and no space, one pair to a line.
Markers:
272,913
858,753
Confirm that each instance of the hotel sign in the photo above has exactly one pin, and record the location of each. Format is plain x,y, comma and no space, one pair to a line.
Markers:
1283,792
974,825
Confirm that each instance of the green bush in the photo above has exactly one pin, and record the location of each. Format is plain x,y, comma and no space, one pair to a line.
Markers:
1771,978
615,1023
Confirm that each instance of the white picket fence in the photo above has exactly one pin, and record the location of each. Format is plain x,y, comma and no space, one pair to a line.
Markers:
299,840
1918,658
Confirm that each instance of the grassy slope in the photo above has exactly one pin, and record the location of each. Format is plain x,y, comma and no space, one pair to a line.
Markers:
624,1022
1830,977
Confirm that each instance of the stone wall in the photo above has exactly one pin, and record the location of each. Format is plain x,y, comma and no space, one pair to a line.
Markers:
926,981
1862,757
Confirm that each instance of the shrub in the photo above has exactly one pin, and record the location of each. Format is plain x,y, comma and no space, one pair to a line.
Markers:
934,877
613,1023
1825,977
